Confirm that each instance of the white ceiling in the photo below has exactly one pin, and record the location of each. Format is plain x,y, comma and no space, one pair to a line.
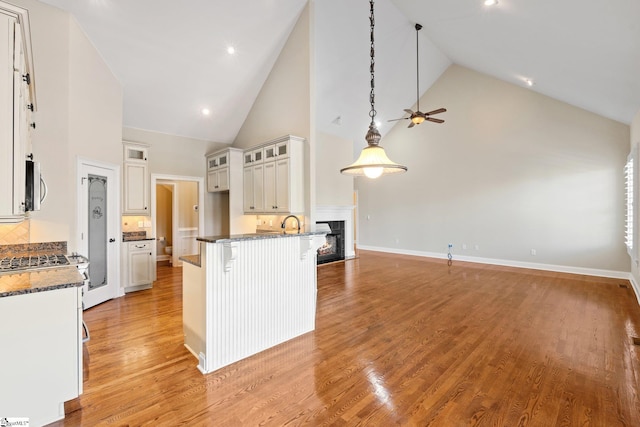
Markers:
171,56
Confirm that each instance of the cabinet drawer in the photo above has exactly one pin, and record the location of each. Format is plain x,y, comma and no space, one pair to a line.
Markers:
139,246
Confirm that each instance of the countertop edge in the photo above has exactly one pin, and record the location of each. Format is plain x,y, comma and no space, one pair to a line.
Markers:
191,259
255,236
29,282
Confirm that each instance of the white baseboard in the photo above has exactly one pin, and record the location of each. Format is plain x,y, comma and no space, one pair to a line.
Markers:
520,264
163,258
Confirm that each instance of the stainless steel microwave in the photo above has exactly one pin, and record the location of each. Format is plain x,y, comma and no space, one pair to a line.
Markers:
35,187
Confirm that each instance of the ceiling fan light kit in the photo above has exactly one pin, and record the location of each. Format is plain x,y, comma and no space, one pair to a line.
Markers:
418,116
373,161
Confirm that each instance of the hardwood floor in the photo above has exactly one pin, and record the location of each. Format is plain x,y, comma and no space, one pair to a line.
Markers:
399,340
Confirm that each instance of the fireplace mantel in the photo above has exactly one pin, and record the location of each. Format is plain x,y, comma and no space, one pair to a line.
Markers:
339,213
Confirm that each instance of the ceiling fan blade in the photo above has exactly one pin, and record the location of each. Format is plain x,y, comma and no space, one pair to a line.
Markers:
401,118
431,119
411,125
438,111
408,111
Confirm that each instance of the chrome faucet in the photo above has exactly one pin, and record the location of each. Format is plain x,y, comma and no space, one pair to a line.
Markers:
283,225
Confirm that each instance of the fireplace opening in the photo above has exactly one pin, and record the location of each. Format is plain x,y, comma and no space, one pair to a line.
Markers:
333,249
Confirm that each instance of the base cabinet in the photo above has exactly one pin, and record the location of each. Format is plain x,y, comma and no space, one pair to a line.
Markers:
42,354
138,265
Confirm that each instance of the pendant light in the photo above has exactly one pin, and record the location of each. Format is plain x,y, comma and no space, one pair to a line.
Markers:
373,161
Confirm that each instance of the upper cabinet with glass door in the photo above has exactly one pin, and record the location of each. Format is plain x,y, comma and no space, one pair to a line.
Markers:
275,185
221,165
135,185
17,102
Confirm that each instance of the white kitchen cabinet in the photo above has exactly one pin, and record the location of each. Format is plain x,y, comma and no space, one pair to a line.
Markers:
218,160
218,180
282,174
221,166
17,101
253,188
138,265
135,153
135,194
253,157
42,353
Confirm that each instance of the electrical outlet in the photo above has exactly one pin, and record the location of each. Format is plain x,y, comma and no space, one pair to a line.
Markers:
477,247
533,252
464,246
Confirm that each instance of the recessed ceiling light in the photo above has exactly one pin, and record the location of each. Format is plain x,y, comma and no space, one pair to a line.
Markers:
490,2
231,50
529,82
205,111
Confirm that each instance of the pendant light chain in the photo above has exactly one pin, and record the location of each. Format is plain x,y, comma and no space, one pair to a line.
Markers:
372,95
373,161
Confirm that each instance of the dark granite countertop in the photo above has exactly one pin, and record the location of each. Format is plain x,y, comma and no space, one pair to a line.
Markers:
135,236
256,236
30,281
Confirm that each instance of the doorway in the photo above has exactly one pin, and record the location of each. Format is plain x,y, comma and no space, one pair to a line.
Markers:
186,213
166,196
99,228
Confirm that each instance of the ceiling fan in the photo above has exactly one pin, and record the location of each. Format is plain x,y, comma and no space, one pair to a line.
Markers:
418,116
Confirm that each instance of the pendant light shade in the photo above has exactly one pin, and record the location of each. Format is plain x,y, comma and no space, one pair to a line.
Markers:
373,161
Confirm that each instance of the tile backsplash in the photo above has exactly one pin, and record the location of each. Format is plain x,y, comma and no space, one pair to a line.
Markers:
13,234
136,223
32,249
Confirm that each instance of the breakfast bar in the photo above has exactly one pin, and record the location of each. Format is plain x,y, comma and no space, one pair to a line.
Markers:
245,293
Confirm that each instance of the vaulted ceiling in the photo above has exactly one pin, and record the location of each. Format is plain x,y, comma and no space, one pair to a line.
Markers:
171,57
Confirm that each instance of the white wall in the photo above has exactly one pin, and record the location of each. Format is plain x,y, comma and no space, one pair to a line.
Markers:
509,171
286,102
181,156
283,104
332,187
79,114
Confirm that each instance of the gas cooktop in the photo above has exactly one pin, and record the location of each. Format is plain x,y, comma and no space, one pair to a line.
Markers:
32,262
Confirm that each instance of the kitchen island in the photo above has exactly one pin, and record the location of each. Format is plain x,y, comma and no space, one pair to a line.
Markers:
245,293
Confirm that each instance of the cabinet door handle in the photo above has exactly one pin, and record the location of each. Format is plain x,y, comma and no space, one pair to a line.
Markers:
112,240
145,208
149,253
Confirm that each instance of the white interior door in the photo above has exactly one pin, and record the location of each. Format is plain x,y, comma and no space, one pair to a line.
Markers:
98,221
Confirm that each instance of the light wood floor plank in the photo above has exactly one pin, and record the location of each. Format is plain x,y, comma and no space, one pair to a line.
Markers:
399,340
